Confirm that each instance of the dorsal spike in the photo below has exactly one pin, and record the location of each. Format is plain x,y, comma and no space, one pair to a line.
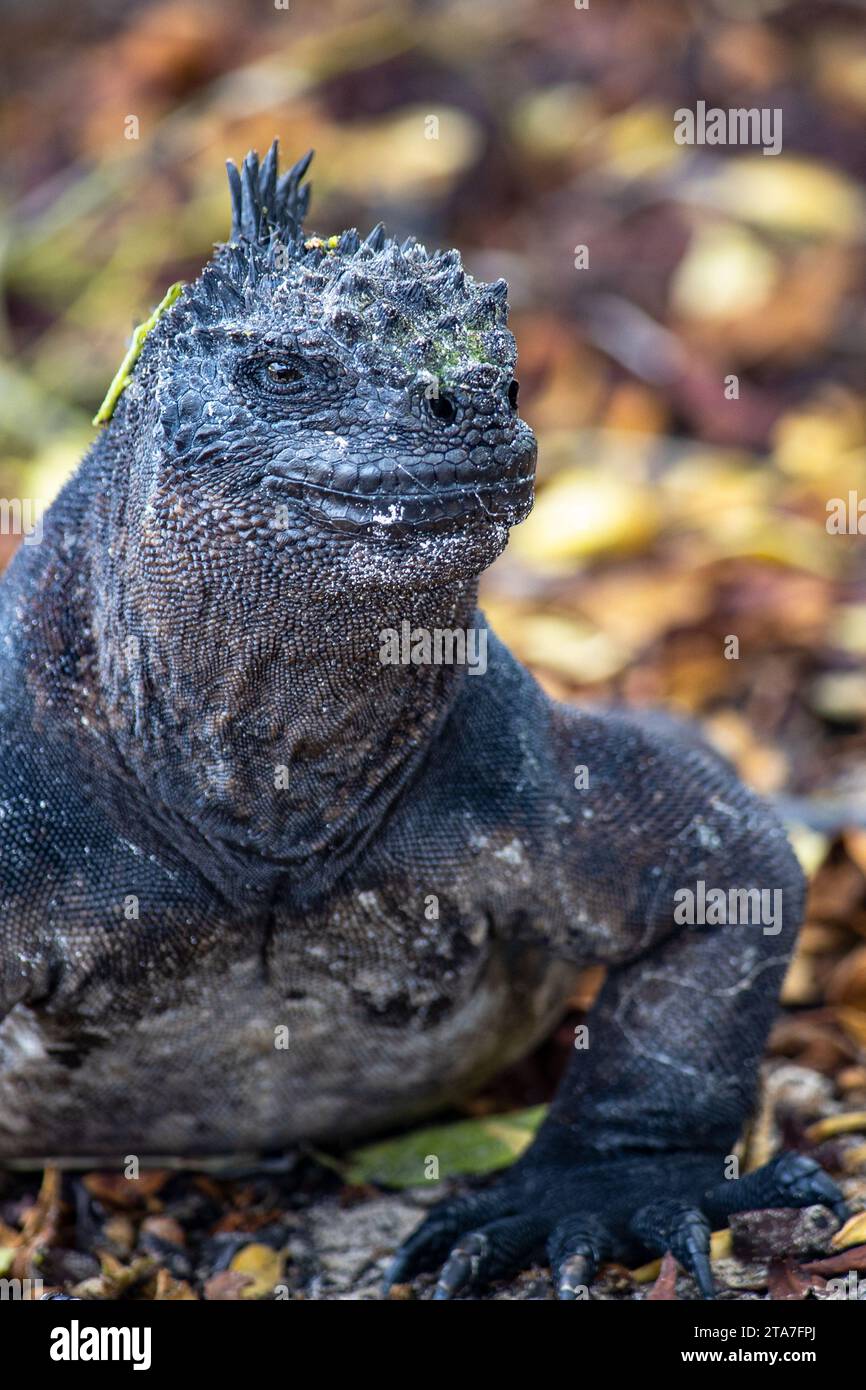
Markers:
418,297
376,238
292,200
252,159
292,177
268,180
302,202
250,207
236,197
264,205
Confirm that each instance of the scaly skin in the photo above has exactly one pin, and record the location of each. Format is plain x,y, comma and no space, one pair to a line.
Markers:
222,816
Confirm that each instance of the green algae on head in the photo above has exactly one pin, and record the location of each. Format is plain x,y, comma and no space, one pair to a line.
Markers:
123,375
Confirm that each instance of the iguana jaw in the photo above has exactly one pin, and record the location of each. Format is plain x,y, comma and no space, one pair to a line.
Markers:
402,511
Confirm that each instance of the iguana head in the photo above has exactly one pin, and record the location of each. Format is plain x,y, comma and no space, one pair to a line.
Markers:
348,399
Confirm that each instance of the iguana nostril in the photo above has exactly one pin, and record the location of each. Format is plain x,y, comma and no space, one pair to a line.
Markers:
513,393
443,408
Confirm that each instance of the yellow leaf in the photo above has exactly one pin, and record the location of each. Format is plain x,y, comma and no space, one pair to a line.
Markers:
720,1247
832,1125
854,1160
639,142
853,1021
721,1244
726,271
840,695
406,163
571,648
582,513
852,1233
554,122
813,440
848,628
786,194
810,847
262,1265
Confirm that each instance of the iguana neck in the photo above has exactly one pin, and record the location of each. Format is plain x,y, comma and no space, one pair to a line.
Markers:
263,717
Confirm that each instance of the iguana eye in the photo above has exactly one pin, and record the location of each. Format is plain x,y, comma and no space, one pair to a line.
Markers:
281,372
442,407
277,375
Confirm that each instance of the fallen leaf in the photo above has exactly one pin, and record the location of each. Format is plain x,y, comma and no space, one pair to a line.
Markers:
855,1258
164,1228
173,1290
263,1267
726,271
852,1233
847,983
810,847
855,845
853,1021
39,1227
849,1123
226,1286
466,1146
786,1282
720,1248
116,1279
118,1191
568,647
786,194
583,512
665,1287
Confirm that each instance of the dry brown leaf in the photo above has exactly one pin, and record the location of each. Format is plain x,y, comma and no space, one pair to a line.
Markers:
847,982
665,1287
586,987
810,1042
835,891
855,1258
635,607
853,1021
227,1286
801,984
118,1191
164,1228
116,1278
39,1227
854,1160
786,1282
174,1290
855,846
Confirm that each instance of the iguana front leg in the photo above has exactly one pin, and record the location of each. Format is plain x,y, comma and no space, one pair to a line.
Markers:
631,1159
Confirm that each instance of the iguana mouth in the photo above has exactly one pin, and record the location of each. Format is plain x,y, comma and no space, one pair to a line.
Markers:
398,512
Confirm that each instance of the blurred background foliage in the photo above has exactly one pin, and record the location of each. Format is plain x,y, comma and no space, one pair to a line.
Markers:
669,517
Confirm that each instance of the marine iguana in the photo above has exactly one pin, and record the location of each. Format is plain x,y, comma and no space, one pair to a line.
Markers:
228,824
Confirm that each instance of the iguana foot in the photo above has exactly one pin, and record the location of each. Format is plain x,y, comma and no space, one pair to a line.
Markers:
587,1212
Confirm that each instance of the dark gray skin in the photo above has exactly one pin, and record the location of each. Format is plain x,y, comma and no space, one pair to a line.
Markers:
221,815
